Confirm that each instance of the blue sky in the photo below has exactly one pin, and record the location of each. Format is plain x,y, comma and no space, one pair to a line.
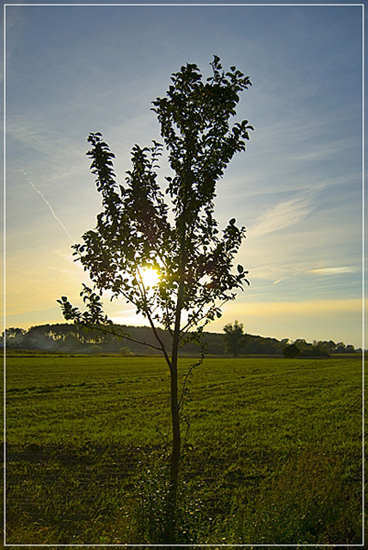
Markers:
73,70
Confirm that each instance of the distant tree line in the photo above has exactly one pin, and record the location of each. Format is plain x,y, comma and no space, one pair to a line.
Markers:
317,349
67,338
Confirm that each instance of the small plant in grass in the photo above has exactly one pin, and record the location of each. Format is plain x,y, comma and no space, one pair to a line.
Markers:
153,493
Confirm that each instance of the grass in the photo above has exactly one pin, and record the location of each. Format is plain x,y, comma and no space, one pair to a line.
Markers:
272,454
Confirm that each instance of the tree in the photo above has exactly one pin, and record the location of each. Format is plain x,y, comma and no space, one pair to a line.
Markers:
301,344
234,338
179,239
291,350
13,337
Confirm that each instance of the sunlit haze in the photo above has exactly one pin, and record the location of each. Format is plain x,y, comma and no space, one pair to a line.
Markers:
76,69
150,277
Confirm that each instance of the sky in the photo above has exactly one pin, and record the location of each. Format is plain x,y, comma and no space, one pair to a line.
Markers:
72,70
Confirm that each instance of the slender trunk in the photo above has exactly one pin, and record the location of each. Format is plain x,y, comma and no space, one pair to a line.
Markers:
175,417
174,463
175,407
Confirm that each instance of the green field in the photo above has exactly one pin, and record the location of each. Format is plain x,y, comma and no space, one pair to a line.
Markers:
272,452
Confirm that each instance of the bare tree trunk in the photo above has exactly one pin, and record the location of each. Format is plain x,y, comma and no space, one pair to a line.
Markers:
175,417
175,458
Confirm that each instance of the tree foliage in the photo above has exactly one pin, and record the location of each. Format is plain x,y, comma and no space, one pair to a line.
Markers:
193,260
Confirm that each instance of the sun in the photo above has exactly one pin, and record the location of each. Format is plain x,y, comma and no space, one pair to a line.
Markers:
150,276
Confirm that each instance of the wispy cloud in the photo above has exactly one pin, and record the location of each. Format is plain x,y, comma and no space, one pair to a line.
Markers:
282,215
323,271
331,270
313,308
48,205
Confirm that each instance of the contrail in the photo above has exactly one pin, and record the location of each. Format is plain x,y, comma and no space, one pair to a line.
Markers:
47,204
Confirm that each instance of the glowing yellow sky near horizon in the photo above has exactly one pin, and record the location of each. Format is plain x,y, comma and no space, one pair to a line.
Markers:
306,308
319,319
336,319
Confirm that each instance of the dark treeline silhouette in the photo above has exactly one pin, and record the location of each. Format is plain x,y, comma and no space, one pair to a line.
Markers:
67,338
